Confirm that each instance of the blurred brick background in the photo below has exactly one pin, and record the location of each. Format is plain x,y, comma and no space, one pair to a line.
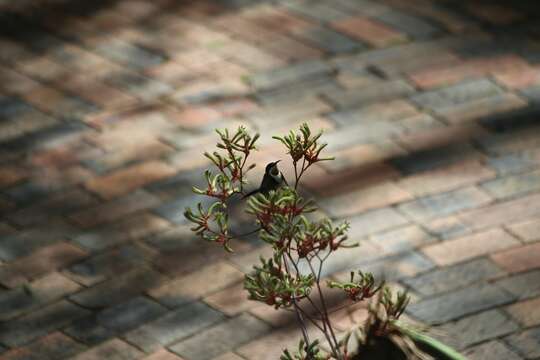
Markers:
430,106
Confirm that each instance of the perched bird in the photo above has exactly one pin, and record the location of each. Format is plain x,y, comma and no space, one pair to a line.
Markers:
272,179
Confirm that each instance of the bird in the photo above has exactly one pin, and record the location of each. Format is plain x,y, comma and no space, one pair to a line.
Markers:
272,179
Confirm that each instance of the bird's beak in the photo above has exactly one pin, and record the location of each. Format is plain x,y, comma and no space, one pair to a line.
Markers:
276,162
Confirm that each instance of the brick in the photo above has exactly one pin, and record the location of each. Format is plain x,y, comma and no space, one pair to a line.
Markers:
526,257
40,262
526,312
277,319
53,135
528,231
457,94
143,123
12,107
401,239
526,343
487,325
228,356
118,289
439,139
423,159
115,209
10,175
351,180
393,67
500,213
421,122
209,91
25,124
446,178
490,106
369,31
179,324
108,264
449,278
515,185
89,331
396,267
364,156
50,347
468,247
16,83
123,181
95,91
292,50
392,112
532,93
45,211
523,286
246,261
197,116
328,40
129,54
192,286
432,206
51,182
507,142
275,18
188,140
128,154
131,314
495,350
173,210
310,88
518,78
115,349
41,68
45,290
27,328
64,156
515,162
454,305
23,243
285,75
162,355
283,114
413,26
318,11
141,87
131,228
230,301
382,91
250,56
181,241
376,196
226,336
374,221
448,75
58,104
235,107
495,13
271,346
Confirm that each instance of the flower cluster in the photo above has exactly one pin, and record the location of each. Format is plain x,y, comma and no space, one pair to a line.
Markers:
273,285
357,290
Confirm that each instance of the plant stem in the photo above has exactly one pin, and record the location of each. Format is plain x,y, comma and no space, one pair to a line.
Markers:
324,313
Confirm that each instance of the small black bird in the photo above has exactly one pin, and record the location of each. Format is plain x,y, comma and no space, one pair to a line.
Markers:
272,179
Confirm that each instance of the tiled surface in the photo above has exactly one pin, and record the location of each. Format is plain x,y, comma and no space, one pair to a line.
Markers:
106,107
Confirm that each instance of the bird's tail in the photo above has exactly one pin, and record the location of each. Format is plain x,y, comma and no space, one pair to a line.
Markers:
251,193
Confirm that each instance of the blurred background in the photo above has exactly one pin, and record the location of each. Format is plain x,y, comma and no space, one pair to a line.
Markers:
429,106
